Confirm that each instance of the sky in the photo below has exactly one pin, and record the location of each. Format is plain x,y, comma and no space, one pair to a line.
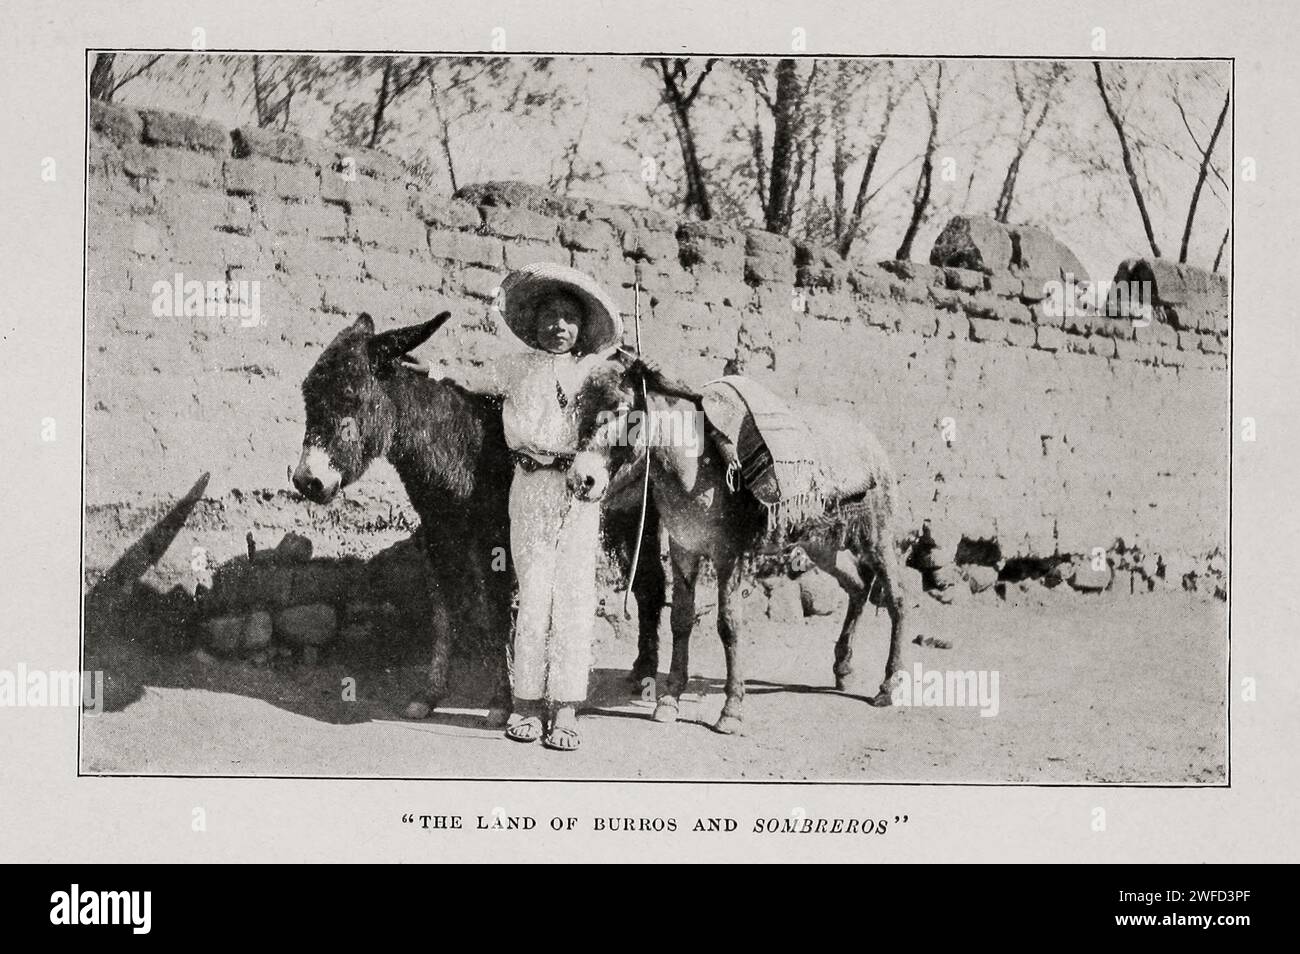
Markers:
1071,179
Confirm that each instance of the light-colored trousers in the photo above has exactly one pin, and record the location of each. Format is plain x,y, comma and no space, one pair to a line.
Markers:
553,540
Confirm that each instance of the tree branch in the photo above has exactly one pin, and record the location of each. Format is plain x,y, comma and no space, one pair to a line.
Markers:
1127,158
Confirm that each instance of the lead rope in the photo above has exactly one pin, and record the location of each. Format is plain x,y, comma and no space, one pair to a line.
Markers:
645,484
733,476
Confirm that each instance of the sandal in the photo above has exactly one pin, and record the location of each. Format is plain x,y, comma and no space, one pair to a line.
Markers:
562,739
525,730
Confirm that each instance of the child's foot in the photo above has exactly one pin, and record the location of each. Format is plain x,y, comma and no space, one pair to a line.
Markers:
527,729
563,736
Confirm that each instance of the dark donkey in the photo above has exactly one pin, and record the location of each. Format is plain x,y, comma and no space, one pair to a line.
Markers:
854,543
447,447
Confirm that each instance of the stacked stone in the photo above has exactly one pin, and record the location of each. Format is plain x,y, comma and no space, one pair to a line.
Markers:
1049,435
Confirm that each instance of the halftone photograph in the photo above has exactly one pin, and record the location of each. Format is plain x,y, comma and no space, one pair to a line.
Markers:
702,418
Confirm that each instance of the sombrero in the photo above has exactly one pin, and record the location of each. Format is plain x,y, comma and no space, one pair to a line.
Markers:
523,288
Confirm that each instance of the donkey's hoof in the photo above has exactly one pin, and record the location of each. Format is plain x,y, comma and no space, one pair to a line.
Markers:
841,682
498,716
889,689
417,709
666,710
728,724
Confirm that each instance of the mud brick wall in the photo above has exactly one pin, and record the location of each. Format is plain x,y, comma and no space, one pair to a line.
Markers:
1008,424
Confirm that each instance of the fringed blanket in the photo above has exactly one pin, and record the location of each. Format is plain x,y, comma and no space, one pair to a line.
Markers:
800,472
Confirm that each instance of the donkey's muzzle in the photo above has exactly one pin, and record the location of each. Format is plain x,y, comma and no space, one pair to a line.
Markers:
311,488
315,478
587,478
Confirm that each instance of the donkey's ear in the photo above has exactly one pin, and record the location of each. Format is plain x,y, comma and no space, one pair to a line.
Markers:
364,325
391,345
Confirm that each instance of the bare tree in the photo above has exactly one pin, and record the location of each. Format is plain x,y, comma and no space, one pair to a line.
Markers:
105,81
849,74
452,87
276,81
1126,156
779,171
1206,151
1223,243
368,123
924,180
575,165
1038,87
679,93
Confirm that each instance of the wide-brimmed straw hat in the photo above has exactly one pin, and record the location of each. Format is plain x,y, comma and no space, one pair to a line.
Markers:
525,287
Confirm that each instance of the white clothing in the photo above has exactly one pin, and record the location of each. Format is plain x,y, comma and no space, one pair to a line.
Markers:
531,384
553,536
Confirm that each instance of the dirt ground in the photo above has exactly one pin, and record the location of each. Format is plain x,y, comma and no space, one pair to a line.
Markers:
1091,689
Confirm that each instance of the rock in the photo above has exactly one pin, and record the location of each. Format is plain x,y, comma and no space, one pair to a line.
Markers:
798,560
326,582
1174,284
784,601
361,609
164,128
1025,593
257,630
1216,564
118,124
223,634
1039,258
358,632
282,147
753,602
975,242
203,656
819,594
949,586
758,243
979,577
1084,577
937,546
311,625
294,548
524,195
1055,575
310,655
934,642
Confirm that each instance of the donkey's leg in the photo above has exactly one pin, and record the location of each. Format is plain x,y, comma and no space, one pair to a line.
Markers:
730,570
844,645
495,635
619,528
686,570
649,590
436,687
851,575
890,574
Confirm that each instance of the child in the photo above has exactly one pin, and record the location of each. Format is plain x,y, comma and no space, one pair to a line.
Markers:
572,327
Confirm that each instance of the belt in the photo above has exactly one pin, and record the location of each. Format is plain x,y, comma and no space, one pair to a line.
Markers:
531,465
